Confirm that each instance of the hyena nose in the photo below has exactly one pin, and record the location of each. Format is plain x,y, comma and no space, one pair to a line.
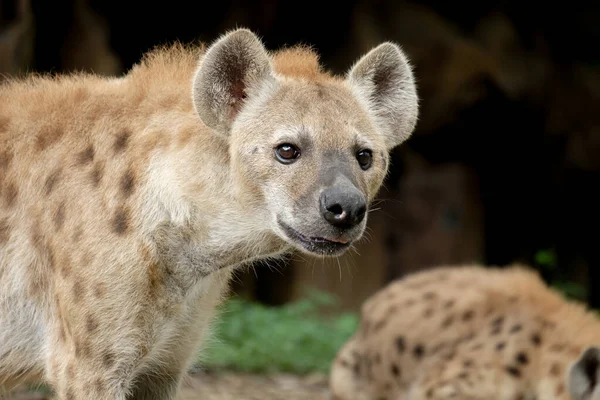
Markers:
343,207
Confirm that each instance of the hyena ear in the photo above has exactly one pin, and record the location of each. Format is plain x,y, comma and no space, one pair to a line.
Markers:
384,79
584,375
232,70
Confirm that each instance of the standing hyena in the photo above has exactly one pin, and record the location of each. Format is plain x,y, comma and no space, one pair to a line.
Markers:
126,203
470,333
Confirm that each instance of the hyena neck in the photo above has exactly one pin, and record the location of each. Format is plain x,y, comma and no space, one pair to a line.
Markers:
199,219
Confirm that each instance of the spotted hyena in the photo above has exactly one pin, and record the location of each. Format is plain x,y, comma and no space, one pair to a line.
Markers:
126,202
472,333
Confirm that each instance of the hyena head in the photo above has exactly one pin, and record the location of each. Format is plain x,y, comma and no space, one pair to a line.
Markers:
311,148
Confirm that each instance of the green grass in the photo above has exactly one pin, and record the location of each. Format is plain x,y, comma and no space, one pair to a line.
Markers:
252,337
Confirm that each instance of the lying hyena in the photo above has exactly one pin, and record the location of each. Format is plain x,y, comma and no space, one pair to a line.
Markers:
470,333
126,203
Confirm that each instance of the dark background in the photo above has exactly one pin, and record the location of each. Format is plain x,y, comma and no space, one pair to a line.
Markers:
503,166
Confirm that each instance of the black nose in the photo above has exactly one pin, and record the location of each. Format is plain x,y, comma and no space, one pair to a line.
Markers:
343,207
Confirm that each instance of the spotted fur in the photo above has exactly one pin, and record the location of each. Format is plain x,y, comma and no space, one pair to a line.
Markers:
470,333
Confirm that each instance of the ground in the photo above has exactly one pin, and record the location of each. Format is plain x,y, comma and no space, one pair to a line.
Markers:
228,385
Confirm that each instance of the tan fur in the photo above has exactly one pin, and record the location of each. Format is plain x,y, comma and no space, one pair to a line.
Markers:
125,203
300,62
466,333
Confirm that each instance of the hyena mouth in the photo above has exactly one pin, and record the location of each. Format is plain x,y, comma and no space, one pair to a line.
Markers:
317,245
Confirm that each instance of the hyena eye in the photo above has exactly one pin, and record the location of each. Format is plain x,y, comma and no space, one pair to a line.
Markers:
287,153
365,158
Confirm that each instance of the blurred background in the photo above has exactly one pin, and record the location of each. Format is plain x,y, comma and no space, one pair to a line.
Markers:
504,164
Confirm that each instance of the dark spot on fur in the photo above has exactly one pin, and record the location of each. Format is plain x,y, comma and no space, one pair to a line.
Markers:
409,302
468,315
59,216
377,358
369,366
516,328
5,159
513,299
548,324
4,122
97,174
449,304
122,141
447,321
560,389
99,291
343,363
427,313
77,290
429,296
254,150
127,183
496,330
82,349
522,358
70,395
51,259
392,310
48,136
4,230
400,344
555,369
108,359
86,156
513,371
536,339
65,268
463,375
154,277
477,346
51,181
419,351
468,362
77,233
10,195
395,370
500,346
120,221
498,321
467,337
378,325
320,91
91,324
98,385
437,347
429,393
